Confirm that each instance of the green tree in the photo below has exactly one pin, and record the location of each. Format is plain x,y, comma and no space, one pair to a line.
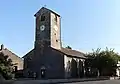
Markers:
6,66
104,61
69,47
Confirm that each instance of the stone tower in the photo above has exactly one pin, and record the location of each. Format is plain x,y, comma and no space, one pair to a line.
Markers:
46,58
47,29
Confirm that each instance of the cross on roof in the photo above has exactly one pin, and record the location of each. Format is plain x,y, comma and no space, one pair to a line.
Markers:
45,6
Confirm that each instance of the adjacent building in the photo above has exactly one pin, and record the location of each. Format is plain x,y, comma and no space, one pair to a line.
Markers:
48,59
16,60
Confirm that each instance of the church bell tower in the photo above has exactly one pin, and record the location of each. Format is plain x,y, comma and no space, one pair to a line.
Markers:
48,31
45,59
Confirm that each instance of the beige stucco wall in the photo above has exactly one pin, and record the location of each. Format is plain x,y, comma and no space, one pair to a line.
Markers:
55,35
66,59
15,59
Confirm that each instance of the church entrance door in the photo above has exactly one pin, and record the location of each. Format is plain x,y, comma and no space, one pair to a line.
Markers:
43,70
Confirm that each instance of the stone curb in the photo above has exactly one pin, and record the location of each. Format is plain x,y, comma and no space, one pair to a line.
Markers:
76,80
53,81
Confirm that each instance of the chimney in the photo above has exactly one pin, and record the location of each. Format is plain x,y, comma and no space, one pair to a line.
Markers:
2,47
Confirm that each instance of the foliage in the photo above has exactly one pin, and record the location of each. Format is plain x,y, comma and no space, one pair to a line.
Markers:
6,66
104,61
68,47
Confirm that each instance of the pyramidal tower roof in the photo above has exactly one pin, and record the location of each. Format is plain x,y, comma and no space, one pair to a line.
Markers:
47,10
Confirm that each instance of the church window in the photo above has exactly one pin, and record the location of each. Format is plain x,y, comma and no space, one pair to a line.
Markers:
56,18
42,18
15,68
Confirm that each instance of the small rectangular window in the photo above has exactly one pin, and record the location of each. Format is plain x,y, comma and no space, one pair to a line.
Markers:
42,18
56,18
15,68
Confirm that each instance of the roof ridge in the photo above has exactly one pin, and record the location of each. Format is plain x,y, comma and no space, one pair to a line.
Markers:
50,10
12,52
74,50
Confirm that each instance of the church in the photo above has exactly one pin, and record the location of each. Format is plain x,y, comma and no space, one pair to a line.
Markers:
48,59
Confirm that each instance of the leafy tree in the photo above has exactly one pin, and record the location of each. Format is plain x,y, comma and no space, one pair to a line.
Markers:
6,66
104,61
68,47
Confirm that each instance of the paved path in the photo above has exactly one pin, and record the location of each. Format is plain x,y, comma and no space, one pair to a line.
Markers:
97,82
57,81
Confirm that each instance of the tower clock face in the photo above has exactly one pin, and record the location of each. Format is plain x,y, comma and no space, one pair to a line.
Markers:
42,27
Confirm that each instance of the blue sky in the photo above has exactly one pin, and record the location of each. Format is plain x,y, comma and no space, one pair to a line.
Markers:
86,24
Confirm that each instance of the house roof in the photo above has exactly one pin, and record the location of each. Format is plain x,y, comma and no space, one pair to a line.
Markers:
71,52
8,52
65,51
48,10
18,61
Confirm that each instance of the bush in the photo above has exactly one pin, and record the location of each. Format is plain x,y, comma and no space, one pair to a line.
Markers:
6,66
